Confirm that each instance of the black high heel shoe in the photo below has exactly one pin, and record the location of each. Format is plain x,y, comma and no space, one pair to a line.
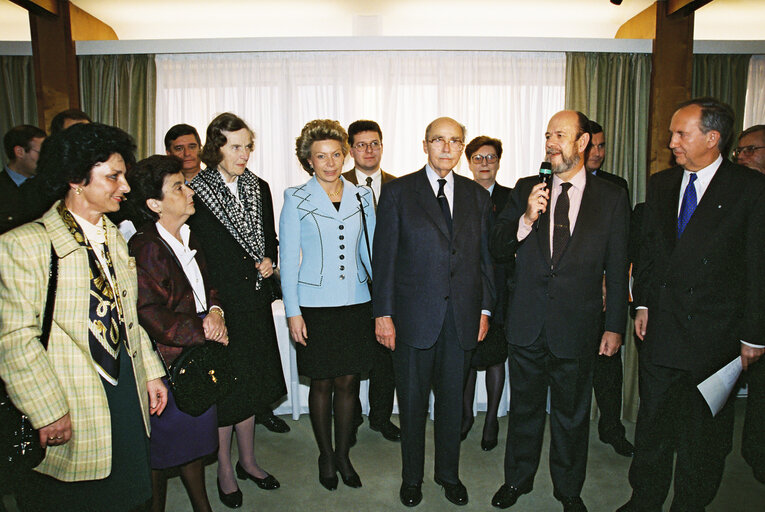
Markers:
352,479
328,482
231,500
269,483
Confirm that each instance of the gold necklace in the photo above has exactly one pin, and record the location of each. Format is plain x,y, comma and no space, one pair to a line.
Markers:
336,193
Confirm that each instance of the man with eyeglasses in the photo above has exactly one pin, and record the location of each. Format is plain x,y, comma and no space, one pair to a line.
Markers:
750,151
608,374
365,138
22,150
432,297
564,238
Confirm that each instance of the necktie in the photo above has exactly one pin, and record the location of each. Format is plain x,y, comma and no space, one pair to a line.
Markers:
561,227
444,204
374,197
688,205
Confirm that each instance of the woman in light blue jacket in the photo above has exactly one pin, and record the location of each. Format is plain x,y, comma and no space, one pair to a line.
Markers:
326,275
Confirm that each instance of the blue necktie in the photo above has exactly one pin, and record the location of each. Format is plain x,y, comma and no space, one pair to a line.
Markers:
688,206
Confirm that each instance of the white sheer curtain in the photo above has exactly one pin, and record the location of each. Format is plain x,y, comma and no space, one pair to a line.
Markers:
509,95
754,109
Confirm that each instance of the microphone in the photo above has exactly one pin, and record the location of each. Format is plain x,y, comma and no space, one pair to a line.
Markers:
545,176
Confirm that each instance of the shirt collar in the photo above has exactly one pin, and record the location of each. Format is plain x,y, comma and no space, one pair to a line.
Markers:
93,232
180,248
578,181
361,177
17,178
433,177
491,188
705,175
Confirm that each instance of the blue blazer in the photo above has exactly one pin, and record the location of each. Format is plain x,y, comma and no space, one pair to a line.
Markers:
335,265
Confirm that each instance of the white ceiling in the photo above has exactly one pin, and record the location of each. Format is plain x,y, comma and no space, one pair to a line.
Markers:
196,19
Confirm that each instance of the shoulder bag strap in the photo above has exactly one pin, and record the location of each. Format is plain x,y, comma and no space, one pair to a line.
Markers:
366,233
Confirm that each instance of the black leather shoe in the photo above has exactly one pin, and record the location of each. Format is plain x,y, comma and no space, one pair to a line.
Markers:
268,483
488,445
388,430
622,446
273,423
573,504
506,496
352,478
456,493
410,495
231,500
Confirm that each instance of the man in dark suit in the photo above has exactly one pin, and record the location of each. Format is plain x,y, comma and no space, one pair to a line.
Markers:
22,149
701,282
750,152
365,139
608,375
553,320
483,154
432,294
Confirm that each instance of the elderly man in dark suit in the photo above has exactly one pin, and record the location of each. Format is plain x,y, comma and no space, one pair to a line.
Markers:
365,138
608,375
699,292
564,239
432,294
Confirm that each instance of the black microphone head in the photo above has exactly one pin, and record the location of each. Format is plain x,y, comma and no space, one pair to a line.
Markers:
545,173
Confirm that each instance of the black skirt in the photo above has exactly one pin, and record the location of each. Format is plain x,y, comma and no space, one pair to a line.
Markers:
340,341
492,350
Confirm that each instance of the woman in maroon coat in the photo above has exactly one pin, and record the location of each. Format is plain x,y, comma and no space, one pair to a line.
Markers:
178,309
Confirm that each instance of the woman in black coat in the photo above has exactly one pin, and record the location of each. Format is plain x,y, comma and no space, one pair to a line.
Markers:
234,223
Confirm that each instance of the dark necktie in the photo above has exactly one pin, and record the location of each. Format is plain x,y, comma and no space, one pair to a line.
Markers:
561,228
374,197
444,204
688,205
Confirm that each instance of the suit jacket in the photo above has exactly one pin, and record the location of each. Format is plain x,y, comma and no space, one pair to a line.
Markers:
335,265
47,385
11,204
232,271
166,306
351,176
613,178
504,268
704,291
419,269
566,299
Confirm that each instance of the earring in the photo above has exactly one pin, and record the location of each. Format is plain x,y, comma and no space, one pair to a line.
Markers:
159,212
78,190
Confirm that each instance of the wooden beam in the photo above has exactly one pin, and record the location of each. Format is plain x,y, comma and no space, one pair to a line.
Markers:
684,7
640,26
55,63
86,27
39,7
671,75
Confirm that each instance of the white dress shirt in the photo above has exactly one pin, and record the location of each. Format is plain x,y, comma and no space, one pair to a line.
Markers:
361,179
186,257
703,177
433,178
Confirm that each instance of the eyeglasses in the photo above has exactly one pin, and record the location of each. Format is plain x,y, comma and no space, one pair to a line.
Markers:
479,159
440,141
746,150
375,145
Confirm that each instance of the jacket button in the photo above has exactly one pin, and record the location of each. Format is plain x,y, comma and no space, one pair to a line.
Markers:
135,353
342,267
246,278
454,251
690,317
342,237
130,325
690,291
124,293
446,298
342,227
342,247
342,256
342,276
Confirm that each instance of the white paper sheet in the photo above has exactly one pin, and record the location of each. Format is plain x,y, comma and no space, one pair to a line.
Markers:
717,387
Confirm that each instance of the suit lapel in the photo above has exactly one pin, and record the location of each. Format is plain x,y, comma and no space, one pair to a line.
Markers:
315,200
668,214
426,199
461,208
543,236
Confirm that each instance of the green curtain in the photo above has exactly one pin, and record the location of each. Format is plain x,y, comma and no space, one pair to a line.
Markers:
120,90
723,77
613,89
18,102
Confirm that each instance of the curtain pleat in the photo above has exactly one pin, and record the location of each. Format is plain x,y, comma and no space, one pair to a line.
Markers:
120,90
18,102
754,112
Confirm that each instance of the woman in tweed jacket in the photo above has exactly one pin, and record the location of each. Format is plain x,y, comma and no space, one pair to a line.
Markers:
90,394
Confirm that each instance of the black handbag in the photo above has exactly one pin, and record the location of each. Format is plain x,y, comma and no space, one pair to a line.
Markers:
19,441
201,375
